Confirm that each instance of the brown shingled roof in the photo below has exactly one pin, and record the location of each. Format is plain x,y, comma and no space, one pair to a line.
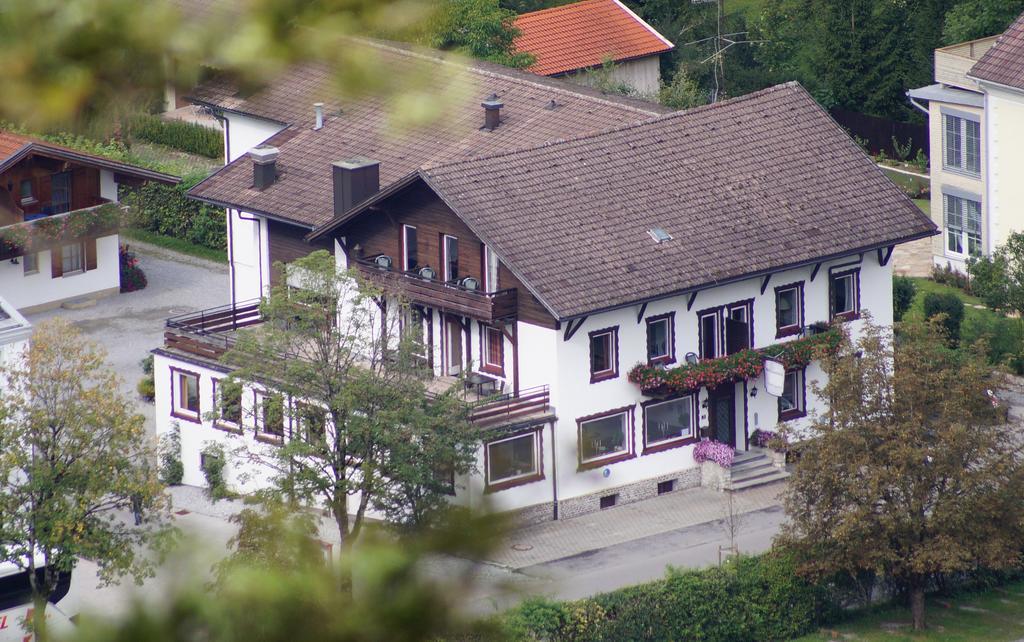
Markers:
1004,62
745,187
536,110
585,34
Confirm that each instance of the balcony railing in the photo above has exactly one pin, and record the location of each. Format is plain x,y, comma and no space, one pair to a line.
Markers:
210,333
529,403
435,293
51,231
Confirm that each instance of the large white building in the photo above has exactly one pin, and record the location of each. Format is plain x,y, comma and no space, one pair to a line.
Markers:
976,118
564,249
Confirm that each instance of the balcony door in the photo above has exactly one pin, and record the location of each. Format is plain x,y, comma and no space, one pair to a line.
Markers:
454,342
60,192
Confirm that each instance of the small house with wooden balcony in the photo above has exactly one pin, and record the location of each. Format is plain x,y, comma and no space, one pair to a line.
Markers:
608,299
59,221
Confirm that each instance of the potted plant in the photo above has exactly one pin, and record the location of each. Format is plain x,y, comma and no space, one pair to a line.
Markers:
775,443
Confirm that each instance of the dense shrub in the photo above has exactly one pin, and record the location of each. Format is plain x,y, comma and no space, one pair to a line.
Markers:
178,134
1002,334
171,469
147,385
164,209
948,276
132,276
748,598
213,463
949,304
903,292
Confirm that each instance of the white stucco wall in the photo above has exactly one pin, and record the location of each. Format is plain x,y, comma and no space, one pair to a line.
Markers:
642,74
242,133
35,291
1004,140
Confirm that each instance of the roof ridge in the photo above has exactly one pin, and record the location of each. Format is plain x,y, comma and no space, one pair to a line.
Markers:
559,8
471,66
606,132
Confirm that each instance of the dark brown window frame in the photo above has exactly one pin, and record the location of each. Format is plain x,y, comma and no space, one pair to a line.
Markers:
225,424
485,365
604,375
790,330
297,408
608,460
669,444
197,419
719,338
261,434
727,310
832,276
538,436
670,319
790,415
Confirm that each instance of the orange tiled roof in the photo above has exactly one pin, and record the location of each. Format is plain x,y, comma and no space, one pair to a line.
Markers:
10,143
585,34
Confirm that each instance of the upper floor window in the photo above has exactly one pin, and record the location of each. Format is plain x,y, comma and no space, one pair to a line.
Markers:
492,350
72,258
789,309
792,400
844,294
962,217
739,326
604,354
660,339
450,258
708,329
961,144
410,256
185,395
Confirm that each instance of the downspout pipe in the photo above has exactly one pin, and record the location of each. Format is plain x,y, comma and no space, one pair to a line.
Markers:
922,108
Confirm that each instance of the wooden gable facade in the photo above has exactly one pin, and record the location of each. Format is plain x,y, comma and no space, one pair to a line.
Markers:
381,230
40,186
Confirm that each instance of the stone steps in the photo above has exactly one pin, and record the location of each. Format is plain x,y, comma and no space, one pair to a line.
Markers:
751,469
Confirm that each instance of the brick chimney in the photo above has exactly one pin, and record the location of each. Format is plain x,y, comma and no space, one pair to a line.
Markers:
492,112
264,166
355,180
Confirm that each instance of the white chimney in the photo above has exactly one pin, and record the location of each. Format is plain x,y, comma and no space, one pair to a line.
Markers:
318,108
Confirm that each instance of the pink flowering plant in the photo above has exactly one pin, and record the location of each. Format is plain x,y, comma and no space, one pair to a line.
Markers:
42,233
743,365
716,451
776,441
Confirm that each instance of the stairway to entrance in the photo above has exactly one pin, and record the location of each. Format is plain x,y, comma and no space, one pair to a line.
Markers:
753,468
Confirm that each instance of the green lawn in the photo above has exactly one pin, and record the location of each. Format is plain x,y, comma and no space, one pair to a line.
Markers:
906,182
995,615
925,205
176,244
924,286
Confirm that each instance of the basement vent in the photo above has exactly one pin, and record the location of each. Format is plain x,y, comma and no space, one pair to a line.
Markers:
659,235
666,486
609,500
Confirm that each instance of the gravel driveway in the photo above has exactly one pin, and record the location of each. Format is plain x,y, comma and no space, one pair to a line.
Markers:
130,325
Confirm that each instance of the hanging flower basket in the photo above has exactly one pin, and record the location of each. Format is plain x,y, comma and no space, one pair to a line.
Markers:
741,366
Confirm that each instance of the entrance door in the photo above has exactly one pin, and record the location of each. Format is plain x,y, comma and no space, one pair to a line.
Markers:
454,347
722,414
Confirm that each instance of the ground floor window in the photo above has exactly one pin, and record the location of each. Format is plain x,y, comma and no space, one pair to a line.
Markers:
604,437
72,258
513,458
793,399
185,395
669,421
228,397
962,218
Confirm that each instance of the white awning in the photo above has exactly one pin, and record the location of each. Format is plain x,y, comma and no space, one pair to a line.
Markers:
945,94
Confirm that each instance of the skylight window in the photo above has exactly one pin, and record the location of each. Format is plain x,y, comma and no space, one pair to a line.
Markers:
659,235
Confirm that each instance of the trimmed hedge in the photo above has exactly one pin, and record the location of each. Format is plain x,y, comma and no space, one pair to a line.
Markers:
178,134
164,209
749,598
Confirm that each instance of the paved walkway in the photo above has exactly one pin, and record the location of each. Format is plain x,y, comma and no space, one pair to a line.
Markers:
541,543
914,258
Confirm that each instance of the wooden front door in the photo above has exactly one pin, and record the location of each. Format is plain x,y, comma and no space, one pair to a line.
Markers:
454,347
722,414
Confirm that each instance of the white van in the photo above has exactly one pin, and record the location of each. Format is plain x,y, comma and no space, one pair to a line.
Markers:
16,603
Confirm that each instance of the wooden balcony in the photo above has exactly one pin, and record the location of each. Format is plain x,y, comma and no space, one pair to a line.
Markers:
210,333
434,293
530,404
46,232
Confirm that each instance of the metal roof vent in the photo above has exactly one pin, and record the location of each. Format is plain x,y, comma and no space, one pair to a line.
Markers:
659,235
318,115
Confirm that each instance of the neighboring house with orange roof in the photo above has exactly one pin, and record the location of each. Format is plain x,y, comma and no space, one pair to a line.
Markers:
574,38
58,233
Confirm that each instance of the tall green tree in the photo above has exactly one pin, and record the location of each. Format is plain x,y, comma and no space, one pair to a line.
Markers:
73,454
478,28
911,472
973,19
999,280
338,357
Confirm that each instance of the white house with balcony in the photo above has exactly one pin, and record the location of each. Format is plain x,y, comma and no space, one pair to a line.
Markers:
610,299
976,118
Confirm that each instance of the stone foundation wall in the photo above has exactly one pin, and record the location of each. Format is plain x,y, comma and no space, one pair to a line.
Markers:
628,493
536,514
